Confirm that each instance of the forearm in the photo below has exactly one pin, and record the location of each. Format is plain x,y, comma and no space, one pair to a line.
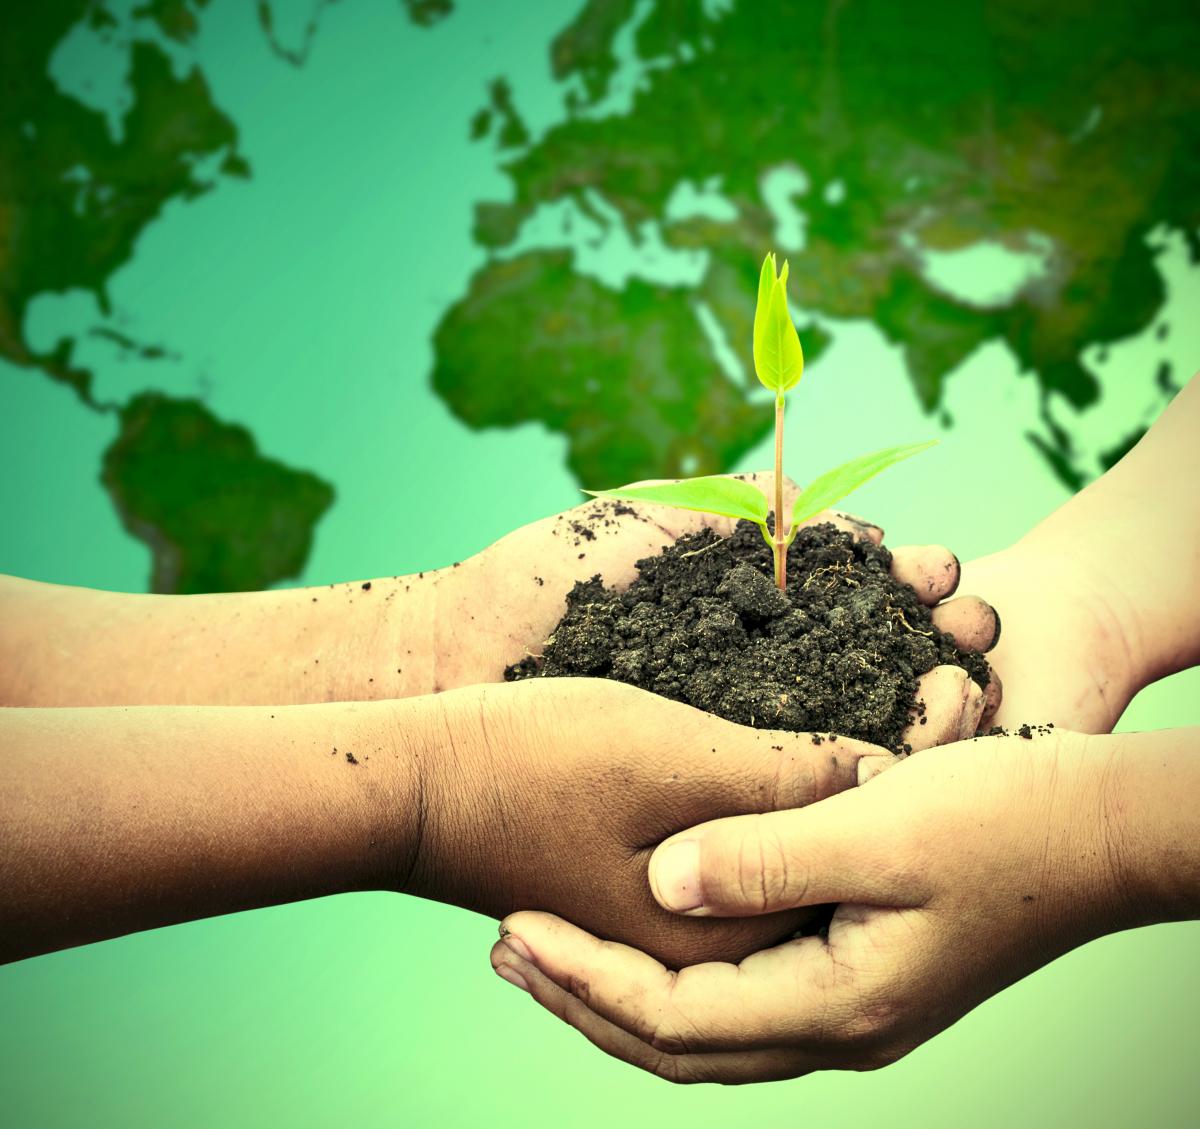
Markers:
121,819
1150,785
62,646
1137,530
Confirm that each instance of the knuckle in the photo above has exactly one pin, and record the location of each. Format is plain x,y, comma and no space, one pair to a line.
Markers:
764,877
796,784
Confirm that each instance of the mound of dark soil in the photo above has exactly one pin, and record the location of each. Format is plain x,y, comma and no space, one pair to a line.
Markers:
704,624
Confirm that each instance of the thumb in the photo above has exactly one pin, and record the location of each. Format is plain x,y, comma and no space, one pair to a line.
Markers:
840,849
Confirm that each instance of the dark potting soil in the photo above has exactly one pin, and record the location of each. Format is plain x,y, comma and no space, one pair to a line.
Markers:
704,624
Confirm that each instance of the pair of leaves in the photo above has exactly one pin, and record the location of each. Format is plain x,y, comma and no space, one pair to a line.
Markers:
731,497
778,358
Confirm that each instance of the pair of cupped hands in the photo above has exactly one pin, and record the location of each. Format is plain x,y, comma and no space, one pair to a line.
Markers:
684,852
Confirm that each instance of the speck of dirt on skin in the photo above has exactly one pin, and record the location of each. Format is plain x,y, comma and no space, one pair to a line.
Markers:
366,586
817,739
582,555
314,599
351,758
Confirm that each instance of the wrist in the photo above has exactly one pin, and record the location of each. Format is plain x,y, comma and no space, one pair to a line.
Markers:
1152,830
443,740
389,762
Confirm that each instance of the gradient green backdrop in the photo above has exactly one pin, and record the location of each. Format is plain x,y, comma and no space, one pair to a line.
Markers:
301,303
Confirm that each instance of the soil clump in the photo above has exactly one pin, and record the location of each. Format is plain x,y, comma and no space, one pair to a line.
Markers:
704,624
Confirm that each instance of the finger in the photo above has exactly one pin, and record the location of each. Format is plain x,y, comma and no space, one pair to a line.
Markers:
834,851
856,526
993,695
702,1009
729,1068
950,704
932,571
971,622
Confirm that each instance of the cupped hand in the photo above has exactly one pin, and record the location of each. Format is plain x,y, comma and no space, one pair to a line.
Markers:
1066,655
502,604
553,794
958,872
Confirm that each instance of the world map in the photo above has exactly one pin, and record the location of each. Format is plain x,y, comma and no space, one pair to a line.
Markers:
875,144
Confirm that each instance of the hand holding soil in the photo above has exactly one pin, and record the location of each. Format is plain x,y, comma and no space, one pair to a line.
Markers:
957,872
962,869
554,793
886,649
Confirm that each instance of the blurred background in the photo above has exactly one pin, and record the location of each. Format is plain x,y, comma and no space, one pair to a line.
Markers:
288,287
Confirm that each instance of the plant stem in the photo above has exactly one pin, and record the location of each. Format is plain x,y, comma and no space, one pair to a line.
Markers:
780,530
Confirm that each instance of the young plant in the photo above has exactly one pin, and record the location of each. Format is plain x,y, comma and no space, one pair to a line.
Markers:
779,363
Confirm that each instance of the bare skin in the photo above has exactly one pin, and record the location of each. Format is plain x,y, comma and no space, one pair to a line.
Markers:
965,868
137,813
390,637
1098,600
117,819
958,872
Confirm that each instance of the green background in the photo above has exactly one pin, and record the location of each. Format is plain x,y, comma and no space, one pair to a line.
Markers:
302,302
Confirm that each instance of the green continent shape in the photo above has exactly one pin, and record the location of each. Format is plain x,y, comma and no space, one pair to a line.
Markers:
955,121
626,375
217,515
74,200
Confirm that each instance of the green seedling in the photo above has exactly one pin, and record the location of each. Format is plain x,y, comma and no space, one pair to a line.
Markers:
779,363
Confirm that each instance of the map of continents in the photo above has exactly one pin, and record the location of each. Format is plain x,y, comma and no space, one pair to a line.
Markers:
883,135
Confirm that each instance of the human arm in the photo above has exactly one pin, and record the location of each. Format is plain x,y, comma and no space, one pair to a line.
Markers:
1098,599
958,872
389,637
551,794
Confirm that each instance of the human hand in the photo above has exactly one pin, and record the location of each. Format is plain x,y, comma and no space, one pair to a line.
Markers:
513,594
1069,653
958,872
554,793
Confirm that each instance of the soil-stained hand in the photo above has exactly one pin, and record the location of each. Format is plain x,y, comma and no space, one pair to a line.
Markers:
553,794
502,604
958,872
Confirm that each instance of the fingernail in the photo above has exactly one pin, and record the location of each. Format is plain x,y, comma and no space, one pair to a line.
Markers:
518,946
512,976
675,875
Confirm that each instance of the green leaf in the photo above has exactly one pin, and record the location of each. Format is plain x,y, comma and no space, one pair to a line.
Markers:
766,279
778,358
714,494
834,485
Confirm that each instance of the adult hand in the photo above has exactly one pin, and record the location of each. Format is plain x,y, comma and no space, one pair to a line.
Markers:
957,872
